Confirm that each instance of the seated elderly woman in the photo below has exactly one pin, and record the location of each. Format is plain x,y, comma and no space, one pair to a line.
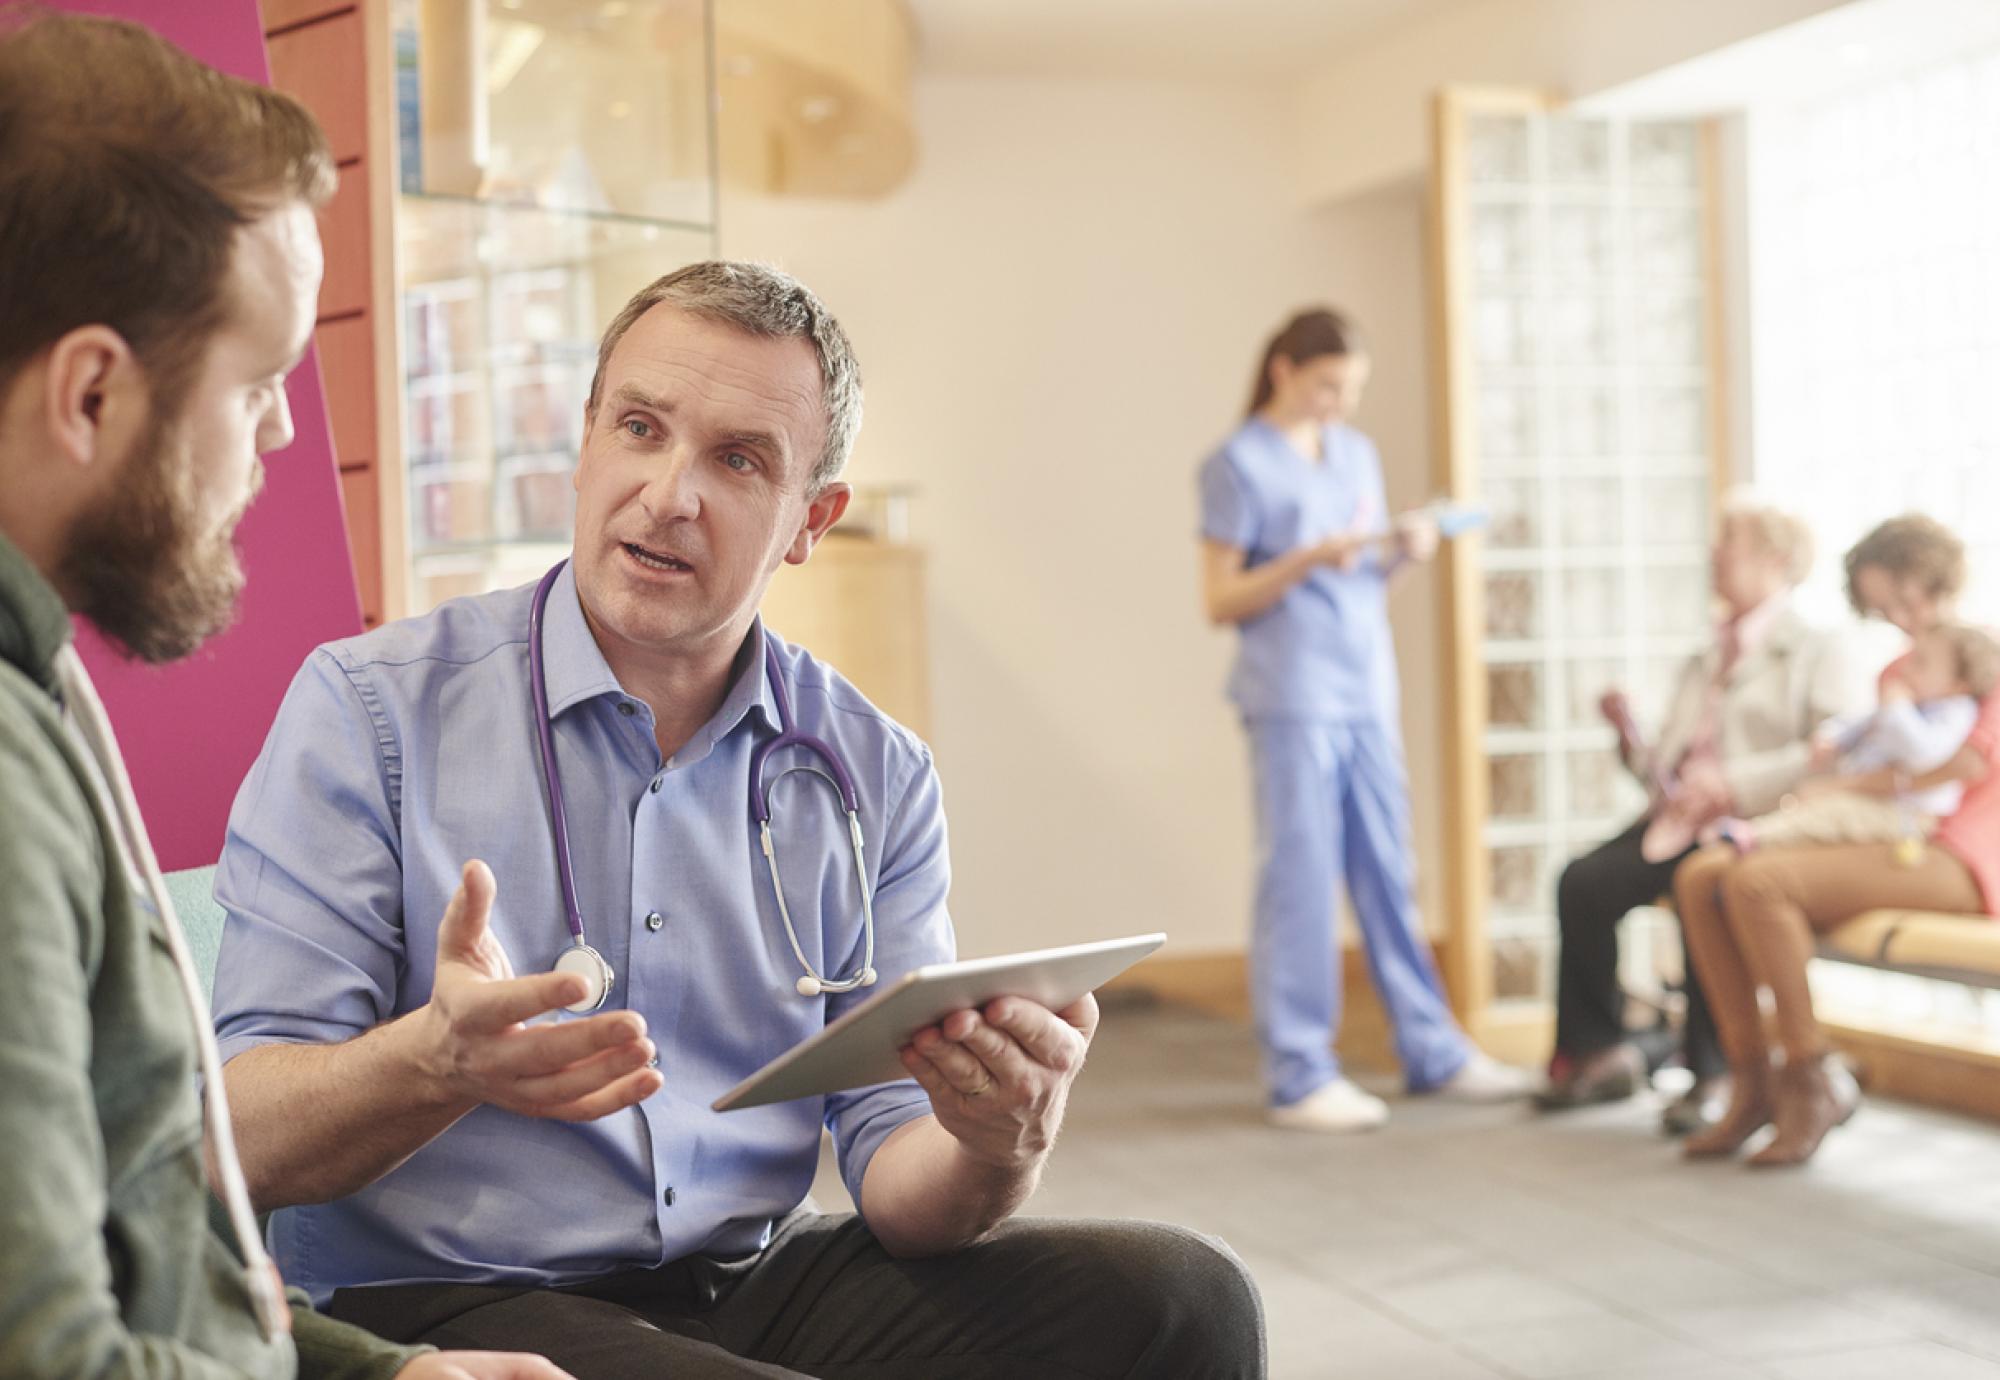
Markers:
1751,918
1736,738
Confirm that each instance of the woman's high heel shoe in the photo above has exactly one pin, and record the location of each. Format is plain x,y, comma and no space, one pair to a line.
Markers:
1814,1096
1750,1110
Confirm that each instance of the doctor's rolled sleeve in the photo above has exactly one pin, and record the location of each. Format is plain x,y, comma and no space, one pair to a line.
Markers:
912,887
311,855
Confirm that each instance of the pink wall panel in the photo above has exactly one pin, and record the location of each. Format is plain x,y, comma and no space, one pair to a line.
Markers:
191,730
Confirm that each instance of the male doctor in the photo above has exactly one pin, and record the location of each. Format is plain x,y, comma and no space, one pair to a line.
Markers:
453,1168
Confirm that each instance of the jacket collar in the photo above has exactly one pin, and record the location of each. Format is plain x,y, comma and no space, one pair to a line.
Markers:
34,625
1774,634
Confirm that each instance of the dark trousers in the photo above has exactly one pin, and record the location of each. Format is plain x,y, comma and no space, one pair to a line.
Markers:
1597,890
1041,1297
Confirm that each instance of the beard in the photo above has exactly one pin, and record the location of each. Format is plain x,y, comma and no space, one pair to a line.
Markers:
139,566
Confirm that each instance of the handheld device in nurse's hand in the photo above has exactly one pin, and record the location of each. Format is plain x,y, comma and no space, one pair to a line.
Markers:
1452,519
861,1047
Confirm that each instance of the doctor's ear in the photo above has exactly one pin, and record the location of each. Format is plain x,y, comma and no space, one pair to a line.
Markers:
821,514
94,394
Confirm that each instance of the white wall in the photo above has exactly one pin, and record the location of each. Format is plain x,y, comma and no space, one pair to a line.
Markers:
1364,116
1057,317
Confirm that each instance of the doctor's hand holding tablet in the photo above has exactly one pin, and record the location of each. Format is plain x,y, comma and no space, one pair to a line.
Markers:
999,1077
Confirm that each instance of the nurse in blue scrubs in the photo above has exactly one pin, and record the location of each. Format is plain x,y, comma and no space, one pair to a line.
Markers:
1298,547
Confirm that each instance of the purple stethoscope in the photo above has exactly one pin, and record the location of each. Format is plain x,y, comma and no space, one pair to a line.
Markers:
590,965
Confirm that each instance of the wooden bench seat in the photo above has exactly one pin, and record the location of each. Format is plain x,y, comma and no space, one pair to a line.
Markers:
1951,948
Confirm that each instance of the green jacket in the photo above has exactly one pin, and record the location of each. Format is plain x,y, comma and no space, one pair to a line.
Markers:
108,1266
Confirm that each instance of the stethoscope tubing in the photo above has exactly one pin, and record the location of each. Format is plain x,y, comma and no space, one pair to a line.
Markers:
546,742
831,769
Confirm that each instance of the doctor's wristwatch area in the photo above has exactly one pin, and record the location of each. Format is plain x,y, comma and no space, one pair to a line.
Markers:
586,962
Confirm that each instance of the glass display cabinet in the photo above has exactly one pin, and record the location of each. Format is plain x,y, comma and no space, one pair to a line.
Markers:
511,172
555,156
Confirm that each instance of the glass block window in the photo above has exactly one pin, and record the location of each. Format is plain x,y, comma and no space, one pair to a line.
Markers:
1588,301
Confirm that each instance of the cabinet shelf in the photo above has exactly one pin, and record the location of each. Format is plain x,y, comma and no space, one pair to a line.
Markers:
446,238
557,158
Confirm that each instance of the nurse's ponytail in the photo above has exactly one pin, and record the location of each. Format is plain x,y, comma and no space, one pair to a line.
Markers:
1312,333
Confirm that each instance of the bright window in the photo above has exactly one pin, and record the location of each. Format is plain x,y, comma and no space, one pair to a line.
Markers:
1875,322
1875,311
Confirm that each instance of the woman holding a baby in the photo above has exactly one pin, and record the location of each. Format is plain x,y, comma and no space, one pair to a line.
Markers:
1903,811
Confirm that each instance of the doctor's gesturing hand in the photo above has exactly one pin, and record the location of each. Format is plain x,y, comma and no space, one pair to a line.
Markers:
380,1097
478,1047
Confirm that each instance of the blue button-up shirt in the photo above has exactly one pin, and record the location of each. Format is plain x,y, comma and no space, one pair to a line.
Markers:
398,755
1323,651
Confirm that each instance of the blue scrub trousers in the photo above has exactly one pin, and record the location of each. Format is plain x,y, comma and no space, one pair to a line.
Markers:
1333,803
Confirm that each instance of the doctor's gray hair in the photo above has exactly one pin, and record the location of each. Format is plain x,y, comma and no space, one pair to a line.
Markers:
764,302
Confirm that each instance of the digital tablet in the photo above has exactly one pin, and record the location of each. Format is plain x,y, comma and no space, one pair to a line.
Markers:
861,1047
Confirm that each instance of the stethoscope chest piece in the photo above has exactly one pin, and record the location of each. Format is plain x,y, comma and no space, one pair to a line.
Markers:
588,964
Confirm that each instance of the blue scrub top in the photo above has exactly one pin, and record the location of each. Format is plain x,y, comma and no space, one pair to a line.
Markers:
1323,651
399,754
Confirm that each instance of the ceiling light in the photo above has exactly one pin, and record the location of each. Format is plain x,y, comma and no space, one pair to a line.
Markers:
511,48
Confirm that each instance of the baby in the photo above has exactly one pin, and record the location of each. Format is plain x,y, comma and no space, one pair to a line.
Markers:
1930,702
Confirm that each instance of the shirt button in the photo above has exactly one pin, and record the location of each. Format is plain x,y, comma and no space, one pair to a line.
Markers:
655,787
627,708
668,1197
654,920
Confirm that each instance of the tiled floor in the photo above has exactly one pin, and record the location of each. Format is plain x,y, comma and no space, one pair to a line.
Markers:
1482,1242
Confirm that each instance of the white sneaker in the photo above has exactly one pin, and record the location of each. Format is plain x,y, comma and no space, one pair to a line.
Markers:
1335,1106
1485,1079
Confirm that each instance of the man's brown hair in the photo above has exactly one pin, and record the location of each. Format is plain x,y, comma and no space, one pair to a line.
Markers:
126,167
